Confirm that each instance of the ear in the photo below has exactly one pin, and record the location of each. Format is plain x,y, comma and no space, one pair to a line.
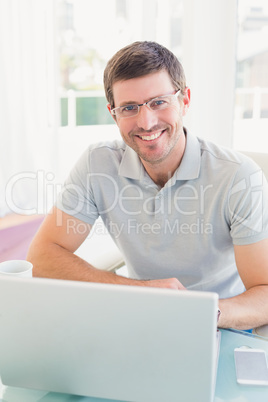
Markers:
186,100
109,107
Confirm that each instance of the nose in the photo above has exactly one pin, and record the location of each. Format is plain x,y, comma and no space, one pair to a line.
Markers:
146,118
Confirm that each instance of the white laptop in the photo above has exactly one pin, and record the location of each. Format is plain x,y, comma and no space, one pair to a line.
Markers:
117,342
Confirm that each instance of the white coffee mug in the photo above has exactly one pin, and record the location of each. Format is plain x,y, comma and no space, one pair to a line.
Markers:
21,268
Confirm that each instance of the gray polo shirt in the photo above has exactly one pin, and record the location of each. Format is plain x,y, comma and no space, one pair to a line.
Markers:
216,198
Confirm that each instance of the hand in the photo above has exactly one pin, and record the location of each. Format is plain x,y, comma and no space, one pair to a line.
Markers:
169,283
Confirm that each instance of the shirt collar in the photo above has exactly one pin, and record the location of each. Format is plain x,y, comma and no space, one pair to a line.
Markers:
131,165
191,161
189,168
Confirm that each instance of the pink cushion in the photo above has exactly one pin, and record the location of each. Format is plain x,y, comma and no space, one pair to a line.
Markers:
15,240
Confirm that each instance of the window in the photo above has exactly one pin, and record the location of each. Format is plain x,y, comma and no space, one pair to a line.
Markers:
90,33
251,103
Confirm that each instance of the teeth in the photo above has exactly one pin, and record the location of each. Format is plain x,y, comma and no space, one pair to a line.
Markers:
151,137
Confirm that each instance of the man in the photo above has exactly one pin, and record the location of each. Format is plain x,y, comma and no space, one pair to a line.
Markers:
185,213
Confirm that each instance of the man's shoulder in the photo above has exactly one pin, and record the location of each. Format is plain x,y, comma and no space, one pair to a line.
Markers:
107,153
226,163
114,146
220,154
101,157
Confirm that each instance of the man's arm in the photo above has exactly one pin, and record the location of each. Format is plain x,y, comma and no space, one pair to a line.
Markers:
250,309
51,254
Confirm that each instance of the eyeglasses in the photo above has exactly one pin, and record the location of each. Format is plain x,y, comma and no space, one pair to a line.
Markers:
159,103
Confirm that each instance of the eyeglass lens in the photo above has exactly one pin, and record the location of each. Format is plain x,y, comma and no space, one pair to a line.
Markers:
160,103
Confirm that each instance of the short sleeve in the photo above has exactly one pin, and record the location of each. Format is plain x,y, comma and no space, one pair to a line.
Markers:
248,205
76,197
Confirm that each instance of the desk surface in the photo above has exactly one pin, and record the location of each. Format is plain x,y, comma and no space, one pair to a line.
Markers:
227,388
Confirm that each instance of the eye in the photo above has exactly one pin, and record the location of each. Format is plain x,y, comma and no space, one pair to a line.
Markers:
128,108
156,103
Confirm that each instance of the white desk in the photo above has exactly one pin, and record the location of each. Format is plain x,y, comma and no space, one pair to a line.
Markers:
227,388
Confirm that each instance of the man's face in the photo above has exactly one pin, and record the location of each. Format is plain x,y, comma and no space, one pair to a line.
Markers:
154,135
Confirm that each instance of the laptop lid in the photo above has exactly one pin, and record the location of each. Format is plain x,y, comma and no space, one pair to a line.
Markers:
108,341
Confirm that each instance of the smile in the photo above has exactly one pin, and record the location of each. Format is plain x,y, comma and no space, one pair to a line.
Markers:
151,137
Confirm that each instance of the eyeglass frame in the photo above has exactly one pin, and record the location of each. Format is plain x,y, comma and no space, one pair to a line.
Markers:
113,111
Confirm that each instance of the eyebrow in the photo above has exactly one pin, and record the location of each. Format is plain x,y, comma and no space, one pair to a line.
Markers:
128,103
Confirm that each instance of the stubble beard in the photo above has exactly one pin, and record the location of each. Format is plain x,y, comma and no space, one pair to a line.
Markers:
147,157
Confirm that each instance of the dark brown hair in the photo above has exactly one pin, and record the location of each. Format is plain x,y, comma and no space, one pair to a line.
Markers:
139,59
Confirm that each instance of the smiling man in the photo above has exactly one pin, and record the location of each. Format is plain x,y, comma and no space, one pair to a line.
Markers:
185,213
